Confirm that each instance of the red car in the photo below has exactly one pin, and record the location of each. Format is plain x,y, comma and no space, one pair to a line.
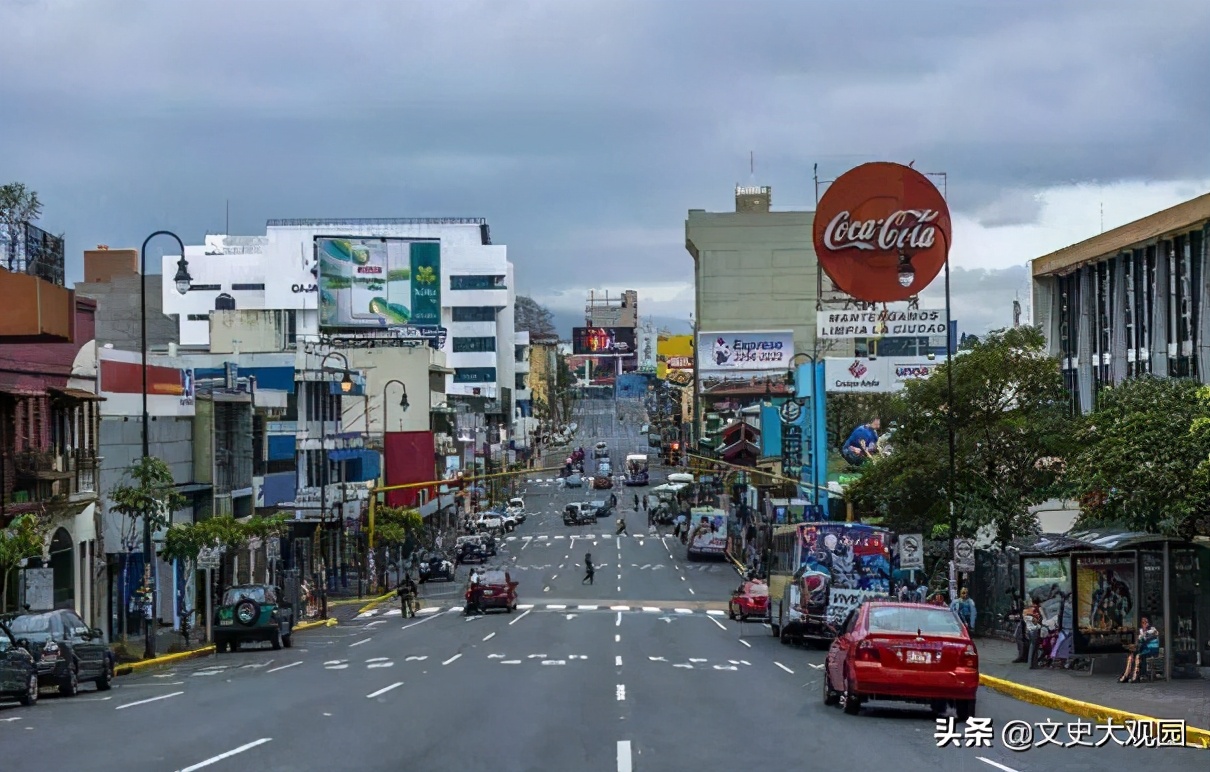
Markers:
750,600
902,652
495,589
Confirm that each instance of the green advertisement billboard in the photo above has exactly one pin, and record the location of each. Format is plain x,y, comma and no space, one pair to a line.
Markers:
377,283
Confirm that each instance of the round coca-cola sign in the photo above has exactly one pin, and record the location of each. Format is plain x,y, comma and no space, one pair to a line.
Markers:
882,232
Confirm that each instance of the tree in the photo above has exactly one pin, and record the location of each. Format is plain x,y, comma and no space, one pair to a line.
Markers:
24,538
151,493
1143,456
1012,429
184,541
18,205
397,526
529,316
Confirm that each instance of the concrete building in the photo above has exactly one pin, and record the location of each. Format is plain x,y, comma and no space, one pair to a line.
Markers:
278,272
1133,300
601,310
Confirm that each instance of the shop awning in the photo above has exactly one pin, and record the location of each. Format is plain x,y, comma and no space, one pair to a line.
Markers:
77,394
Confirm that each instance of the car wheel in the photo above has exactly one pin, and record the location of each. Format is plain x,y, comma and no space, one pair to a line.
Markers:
508,609
731,612
287,640
776,628
849,699
71,684
830,696
104,683
965,709
276,639
783,637
31,691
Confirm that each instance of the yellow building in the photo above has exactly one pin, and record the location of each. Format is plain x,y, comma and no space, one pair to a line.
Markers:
543,370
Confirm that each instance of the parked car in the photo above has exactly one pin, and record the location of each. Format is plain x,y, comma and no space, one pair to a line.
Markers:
66,651
903,652
601,450
574,480
254,612
602,483
516,508
578,513
494,590
750,599
489,521
18,672
432,567
600,508
474,549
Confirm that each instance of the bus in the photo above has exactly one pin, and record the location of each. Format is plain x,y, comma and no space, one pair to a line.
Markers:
636,469
821,571
708,535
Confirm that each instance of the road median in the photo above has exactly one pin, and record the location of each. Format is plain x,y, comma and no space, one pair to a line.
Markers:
1193,735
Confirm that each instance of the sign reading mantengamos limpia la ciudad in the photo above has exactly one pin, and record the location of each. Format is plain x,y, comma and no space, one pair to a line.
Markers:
895,322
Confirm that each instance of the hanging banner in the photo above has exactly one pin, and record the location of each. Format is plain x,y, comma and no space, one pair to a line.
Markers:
880,322
740,351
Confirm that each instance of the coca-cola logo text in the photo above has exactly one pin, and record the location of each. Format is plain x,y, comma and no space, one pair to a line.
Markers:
904,230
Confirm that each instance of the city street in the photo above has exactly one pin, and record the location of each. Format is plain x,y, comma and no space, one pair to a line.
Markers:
639,671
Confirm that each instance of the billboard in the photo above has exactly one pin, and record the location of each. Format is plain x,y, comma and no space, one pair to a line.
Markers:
675,352
1106,612
170,390
875,323
598,341
745,351
377,283
858,375
410,458
647,351
882,232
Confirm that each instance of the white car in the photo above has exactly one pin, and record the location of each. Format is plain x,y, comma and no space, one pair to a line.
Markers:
490,521
516,508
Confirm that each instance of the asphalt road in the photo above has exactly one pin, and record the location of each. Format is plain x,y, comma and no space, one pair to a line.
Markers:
631,673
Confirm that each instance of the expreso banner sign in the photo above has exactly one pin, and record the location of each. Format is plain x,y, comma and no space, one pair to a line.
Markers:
722,351
903,322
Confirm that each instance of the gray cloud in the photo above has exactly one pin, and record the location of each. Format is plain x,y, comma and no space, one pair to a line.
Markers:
583,131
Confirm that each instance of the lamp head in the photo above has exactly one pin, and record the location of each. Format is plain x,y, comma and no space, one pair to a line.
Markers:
346,384
182,280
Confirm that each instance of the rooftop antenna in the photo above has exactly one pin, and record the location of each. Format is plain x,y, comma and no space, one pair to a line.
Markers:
227,227
752,165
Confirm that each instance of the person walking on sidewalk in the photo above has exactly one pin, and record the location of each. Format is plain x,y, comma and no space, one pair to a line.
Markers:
636,502
588,569
964,607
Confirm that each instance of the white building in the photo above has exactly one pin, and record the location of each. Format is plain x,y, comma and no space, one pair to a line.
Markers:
278,271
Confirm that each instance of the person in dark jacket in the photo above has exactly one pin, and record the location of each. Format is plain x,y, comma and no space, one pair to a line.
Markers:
407,596
588,569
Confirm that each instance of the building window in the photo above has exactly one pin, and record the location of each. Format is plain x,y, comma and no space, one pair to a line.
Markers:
468,345
474,375
474,314
519,353
247,287
520,382
198,317
476,282
205,287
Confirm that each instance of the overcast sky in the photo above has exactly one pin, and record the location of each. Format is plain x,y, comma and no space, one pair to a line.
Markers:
584,130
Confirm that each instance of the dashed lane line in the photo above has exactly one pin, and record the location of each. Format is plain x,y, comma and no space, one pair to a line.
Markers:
149,699
783,667
523,616
451,659
283,667
384,690
226,755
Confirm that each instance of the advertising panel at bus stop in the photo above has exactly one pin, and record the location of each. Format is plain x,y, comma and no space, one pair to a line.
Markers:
882,232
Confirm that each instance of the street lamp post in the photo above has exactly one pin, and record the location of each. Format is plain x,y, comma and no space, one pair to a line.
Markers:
346,385
182,280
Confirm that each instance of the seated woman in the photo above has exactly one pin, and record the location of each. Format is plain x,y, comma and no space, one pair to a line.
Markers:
1147,647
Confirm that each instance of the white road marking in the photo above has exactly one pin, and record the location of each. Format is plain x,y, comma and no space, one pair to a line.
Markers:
716,613
150,699
619,608
358,643
741,640
369,625
227,755
14,718
657,659
682,578
488,637
617,638
494,656
377,665
686,666
545,589
816,667
420,658
624,759
619,588
683,611
384,690
556,576
692,659
283,667
518,619
995,764
555,607
621,692
377,659
537,656
554,662
587,608
422,621
725,667
783,667
451,659
691,592
424,611
651,609
336,667
617,661
526,606
510,662
562,564
721,626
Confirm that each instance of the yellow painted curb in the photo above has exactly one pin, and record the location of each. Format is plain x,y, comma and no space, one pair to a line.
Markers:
163,659
312,625
1080,708
373,604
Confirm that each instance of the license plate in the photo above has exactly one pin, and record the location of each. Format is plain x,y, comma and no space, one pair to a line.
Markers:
488,592
919,657
224,621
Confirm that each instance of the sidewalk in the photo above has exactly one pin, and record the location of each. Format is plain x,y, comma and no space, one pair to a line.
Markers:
1187,699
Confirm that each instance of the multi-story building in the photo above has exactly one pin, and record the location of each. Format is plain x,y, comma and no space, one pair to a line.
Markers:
1132,300
620,311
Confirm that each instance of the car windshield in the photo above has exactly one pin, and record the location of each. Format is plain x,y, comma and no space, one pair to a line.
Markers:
493,577
757,590
598,504
31,624
516,503
903,619
236,594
